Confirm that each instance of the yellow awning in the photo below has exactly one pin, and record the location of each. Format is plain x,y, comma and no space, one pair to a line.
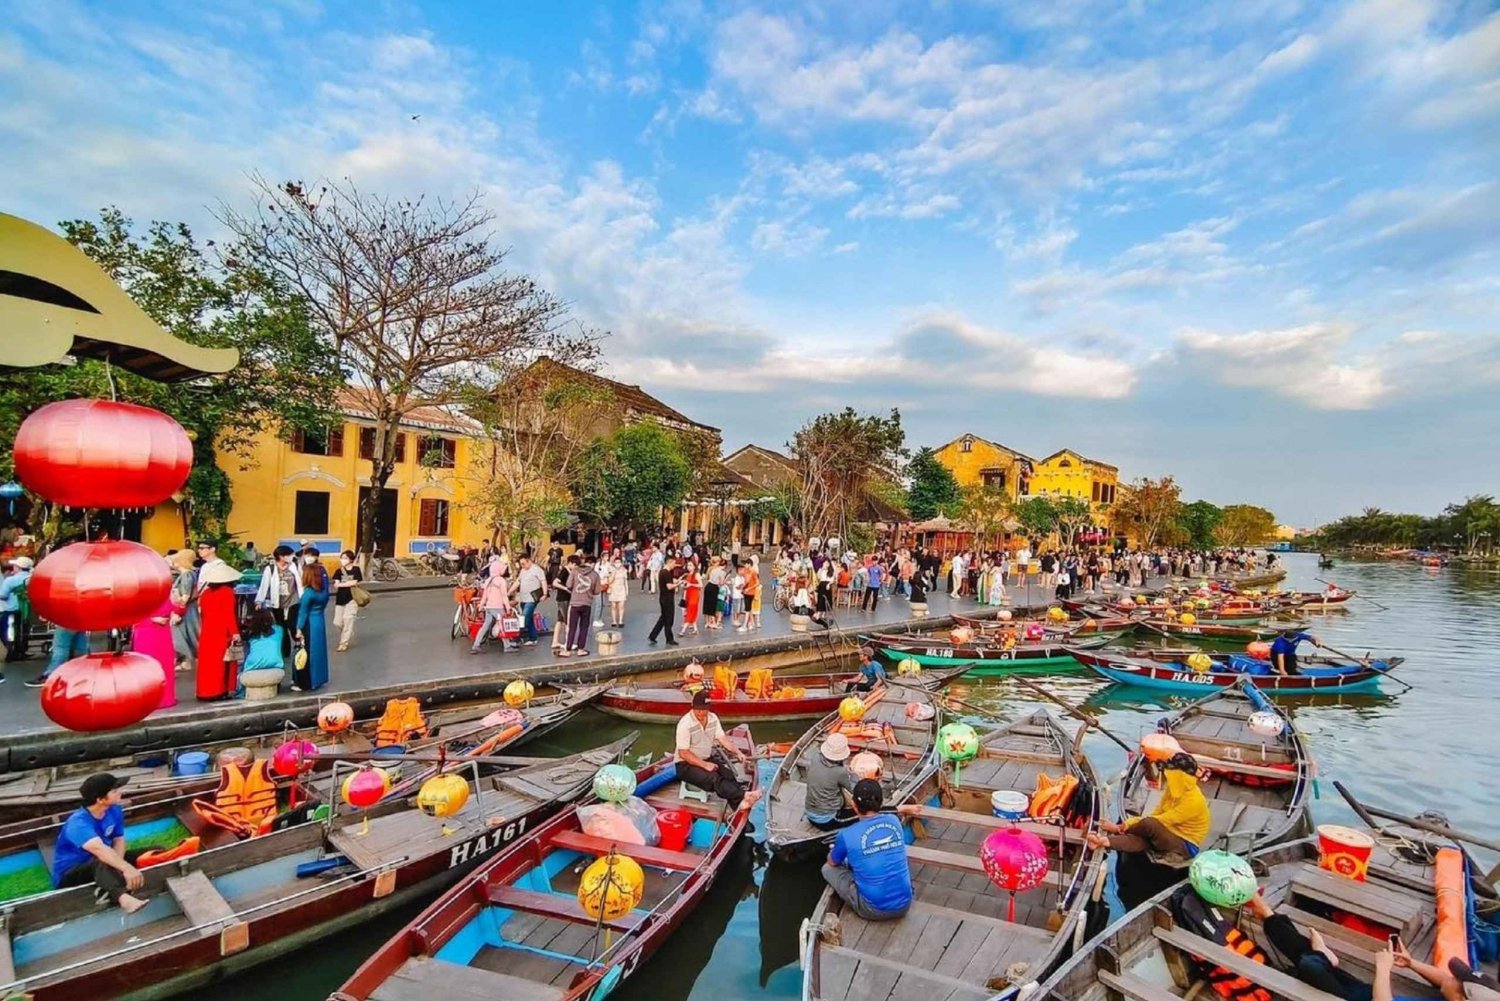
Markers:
55,301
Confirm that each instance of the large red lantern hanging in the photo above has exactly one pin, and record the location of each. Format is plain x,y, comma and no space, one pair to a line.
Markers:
1014,860
102,454
100,585
103,691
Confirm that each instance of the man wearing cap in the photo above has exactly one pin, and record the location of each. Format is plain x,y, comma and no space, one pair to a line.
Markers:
830,785
12,623
871,673
701,748
91,846
867,866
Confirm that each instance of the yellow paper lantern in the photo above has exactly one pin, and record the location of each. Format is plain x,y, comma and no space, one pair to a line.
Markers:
611,887
518,693
1140,599
443,795
909,668
1200,662
1055,614
852,709
1187,618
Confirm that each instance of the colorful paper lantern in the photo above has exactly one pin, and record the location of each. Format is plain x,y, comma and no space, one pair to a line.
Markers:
1015,861
614,783
1260,650
365,787
1222,879
518,693
336,717
611,887
103,691
102,454
1265,723
1188,619
294,757
1005,615
852,709
957,742
443,795
1055,614
959,635
1200,662
1159,746
100,585
909,667
1035,631
865,765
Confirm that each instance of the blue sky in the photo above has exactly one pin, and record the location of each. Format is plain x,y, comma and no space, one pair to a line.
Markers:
1254,245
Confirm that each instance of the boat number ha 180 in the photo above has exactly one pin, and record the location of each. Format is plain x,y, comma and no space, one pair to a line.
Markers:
485,843
939,652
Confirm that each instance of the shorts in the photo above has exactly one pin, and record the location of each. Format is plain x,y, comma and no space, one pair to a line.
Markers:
750,603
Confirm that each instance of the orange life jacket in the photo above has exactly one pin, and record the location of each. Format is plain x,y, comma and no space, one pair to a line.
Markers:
760,683
401,721
1230,985
726,680
1052,795
245,802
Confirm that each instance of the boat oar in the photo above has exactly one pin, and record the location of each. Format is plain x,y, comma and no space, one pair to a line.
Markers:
1369,813
1353,659
1372,601
1071,710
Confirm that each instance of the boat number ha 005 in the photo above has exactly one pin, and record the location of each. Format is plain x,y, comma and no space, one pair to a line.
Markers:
486,842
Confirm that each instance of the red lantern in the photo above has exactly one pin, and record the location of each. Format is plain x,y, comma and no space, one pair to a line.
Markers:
366,787
1014,860
98,453
103,691
294,757
100,585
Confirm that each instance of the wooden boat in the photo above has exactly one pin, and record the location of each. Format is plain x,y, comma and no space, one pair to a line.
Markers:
987,655
667,701
907,748
1167,671
40,791
1311,601
1218,632
235,906
1252,578
1087,626
956,940
514,928
1148,955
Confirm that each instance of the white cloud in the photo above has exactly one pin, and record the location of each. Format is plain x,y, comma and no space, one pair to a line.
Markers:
1296,362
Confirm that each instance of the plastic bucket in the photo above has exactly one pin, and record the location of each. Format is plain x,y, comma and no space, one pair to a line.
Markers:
1009,804
392,769
1344,851
675,826
191,763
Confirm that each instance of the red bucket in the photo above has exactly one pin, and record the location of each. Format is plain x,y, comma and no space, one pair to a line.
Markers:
1344,851
675,825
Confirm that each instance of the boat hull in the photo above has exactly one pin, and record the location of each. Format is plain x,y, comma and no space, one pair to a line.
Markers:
986,659
1165,678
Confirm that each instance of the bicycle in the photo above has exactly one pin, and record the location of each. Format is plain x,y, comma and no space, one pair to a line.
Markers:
387,568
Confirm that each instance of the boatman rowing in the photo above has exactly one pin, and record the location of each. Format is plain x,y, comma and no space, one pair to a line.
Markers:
1284,650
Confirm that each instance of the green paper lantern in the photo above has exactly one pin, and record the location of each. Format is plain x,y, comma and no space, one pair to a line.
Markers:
957,742
614,783
1222,879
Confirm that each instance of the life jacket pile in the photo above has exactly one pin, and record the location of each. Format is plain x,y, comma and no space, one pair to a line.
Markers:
245,801
726,680
1052,796
760,684
401,722
1193,913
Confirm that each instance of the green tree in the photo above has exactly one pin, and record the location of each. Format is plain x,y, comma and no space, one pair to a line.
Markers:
983,510
1245,525
1038,516
1073,515
933,490
1148,508
627,477
1476,521
841,457
286,379
1198,521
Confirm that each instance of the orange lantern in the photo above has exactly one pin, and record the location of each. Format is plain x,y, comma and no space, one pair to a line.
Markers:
1159,746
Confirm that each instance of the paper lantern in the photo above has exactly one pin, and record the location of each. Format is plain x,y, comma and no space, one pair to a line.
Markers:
1005,615
1200,662
852,709
443,795
1055,614
1188,619
1214,585
100,585
518,693
1140,599
909,667
1268,724
365,787
1201,603
614,783
336,717
960,635
103,691
611,887
98,453
1222,879
1015,861
294,757
1034,631
1260,650
957,742
1159,746
865,765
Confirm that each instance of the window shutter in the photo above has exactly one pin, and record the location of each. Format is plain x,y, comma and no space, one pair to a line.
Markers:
336,440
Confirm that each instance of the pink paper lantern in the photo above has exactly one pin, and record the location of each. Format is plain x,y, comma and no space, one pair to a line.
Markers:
294,757
102,454
1014,860
103,691
366,787
100,585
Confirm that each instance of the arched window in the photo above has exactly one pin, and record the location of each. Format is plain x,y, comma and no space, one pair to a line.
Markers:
966,445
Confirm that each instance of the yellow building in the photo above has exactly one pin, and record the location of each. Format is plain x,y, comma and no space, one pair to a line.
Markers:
975,461
310,488
1065,473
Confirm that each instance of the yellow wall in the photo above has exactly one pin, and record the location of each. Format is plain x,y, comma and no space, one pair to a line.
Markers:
1068,474
968,466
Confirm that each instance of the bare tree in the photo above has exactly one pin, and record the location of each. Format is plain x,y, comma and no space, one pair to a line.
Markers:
411,291
841,460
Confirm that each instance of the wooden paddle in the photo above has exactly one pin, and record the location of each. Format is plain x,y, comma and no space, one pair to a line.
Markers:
1071,710
1366,660
1372,601
1369,813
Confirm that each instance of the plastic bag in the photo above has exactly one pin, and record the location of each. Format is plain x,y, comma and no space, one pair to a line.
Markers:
632,822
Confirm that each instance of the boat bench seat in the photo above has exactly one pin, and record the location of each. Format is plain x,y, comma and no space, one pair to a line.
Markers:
1135,988
917,855
1369,900
551,905
659,857
1280,984
881,747
1047,832
202,904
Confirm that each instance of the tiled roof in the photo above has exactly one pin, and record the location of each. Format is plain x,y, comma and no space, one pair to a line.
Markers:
631,397
1085,458
354,402
992,444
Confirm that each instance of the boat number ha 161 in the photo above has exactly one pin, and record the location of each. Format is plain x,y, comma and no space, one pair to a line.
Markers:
485,843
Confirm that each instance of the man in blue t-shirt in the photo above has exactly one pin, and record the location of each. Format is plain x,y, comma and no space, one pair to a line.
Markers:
871,673
867,866
1284,650
91,846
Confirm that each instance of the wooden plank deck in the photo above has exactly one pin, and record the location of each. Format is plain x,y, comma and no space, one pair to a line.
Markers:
425,979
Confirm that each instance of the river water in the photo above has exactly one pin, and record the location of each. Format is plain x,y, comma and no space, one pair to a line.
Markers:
1434,746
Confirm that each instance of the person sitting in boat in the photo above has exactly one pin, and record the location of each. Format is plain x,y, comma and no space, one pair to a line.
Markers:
871,673
1284,650
867,866
830,785
1177,826
692,678
91,846
702,747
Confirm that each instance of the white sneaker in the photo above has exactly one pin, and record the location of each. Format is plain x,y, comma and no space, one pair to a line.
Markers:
739,629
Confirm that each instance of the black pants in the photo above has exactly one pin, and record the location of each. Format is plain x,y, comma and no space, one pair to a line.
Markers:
722,781
664,622
825,598
578,626
106,877
1311,966
862,685
843,818
870,600
286,622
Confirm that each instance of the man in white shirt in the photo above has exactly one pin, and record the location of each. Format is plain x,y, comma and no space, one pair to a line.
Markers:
702,747
1023,560
960,567
530,588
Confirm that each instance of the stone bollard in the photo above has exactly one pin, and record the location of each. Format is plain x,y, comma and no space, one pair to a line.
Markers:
260,685
609,641
918,609
799,623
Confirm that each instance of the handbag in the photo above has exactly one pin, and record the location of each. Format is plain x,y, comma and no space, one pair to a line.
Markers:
360,595
234,653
